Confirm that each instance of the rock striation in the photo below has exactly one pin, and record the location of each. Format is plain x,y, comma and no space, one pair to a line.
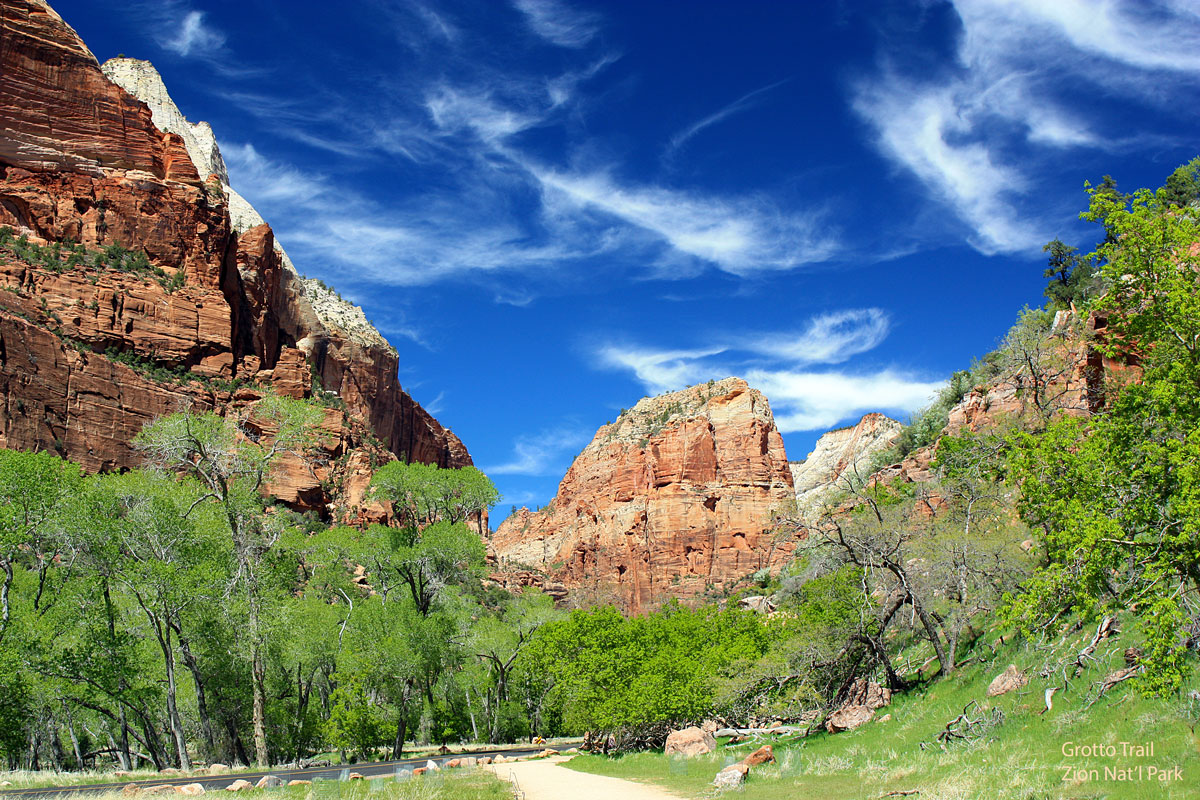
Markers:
674,499
185,311
838,455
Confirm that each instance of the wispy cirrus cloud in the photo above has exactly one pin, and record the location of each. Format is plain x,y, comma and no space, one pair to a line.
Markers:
975,132
743,103
558,23
542,453
194,35
781,364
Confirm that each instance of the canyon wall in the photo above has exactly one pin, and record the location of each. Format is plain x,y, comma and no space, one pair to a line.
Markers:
840,455
95,340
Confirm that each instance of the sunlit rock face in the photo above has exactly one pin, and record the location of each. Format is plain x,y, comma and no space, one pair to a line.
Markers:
838,457
673,499
211,319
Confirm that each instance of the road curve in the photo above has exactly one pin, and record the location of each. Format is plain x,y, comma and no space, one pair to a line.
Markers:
370,769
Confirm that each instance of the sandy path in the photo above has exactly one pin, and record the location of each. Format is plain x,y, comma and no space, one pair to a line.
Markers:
546,780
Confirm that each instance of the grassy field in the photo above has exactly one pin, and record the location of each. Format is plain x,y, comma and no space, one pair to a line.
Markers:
26,779
1027,755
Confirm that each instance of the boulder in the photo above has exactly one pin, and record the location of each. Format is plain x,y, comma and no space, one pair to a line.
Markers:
500,759
298,782
239,785
731,777
847,718
355,776
432,766
168,771
884,718
453,763
218,769
469,761
131,789
547,753
869,694
1009,680
268,782
690,742
162,788
420,771
191,789
763,755
488,759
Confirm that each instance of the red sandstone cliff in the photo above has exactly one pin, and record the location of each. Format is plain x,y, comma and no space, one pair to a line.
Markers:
674,499
89,353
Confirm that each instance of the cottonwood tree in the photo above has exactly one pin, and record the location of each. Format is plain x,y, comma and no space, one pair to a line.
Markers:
232,458
35,489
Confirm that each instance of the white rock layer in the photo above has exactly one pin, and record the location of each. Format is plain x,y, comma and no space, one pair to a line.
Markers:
142,80
837,457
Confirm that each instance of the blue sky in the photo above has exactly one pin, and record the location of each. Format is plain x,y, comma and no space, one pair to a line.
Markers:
555,208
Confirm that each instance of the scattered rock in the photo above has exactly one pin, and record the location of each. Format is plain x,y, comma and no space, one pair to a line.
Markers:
269,782
488,759
355,776
5,783
758,603
847,718
469,761
572,751
162,788
218,769
298,782
420,771
884,718
731,777
763,755
131,789
690,742
192,789
547,753
710,726
168,771
452,763
239,785
432,766
1009,680
501,759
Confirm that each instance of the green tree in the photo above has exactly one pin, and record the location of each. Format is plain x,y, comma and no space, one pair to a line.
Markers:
232,458
1117,496
34,489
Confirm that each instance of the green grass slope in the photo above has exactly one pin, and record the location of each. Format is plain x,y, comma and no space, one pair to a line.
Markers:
1029,754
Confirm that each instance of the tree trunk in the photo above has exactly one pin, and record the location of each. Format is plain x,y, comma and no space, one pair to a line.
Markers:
4,588
471,714
206,727
74,739
260,707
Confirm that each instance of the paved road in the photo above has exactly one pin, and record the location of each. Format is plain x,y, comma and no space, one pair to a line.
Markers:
375,769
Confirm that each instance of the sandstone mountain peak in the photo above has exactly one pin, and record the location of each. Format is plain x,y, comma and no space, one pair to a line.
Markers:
673,499
838,453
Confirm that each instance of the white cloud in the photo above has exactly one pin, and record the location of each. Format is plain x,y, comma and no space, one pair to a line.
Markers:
924,130
738,235
194,35
973,133
806,401
557,23
802,399
741,104
542,453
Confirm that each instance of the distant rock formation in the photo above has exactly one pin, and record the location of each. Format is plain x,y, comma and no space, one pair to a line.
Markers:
674,499
838,455
89,354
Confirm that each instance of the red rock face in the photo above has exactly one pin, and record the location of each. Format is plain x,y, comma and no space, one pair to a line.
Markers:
674,499
60,112
81,160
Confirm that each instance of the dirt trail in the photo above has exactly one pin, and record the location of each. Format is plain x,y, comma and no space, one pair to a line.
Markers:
547,780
